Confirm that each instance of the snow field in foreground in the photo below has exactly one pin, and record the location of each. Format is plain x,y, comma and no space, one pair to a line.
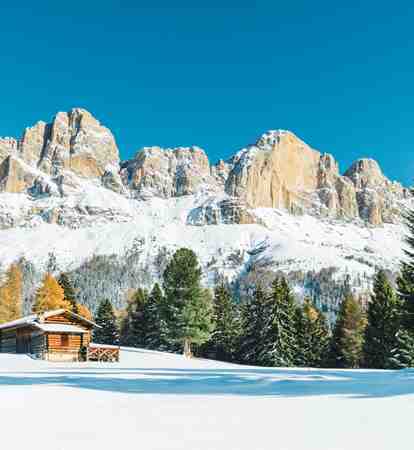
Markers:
158,401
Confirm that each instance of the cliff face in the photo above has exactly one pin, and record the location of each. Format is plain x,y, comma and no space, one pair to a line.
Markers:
74,141
279,171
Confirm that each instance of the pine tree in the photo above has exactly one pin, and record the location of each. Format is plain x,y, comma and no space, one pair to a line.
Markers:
254,320
402,355
69,291
280,344
312,336
11,295
406,279
155,336
50,296
348,335
223,342
187,307
383,325
134,327
105,318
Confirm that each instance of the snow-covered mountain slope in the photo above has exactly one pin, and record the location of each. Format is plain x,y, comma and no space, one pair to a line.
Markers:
277,205
161,401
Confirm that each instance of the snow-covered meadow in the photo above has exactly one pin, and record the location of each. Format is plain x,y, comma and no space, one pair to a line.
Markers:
158,401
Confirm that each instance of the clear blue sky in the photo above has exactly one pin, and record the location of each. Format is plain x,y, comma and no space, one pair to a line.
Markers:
218,73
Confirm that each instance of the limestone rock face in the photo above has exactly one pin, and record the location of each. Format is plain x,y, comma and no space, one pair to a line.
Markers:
276,172
378,198
74,141
281,171
223,211
167,172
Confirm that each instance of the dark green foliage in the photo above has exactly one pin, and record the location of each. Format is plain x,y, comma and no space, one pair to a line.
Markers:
348,335
268,336
155,337
384,314
223,342
280,332
254,318
105,317
69,291
402,356
312,336
134,324
188,307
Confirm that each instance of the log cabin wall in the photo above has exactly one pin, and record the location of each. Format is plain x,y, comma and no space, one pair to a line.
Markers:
8,343
65,346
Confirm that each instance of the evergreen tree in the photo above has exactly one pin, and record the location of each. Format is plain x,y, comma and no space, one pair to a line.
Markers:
312,336
348,335
280,346
50,296
223,341
155,337
83,311
105,318
406,279
187,307
254,320
135,324
402,355
11,295
383,325
69,291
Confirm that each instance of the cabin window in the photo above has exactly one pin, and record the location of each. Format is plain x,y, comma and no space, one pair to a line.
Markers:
64,340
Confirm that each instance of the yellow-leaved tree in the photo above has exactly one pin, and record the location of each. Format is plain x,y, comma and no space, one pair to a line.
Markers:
83,311
50,296
11,295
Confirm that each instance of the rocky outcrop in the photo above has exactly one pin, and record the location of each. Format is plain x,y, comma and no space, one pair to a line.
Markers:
74,141
167,172
281,171
222,211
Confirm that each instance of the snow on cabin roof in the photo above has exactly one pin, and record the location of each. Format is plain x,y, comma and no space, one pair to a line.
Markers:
59,328
35,319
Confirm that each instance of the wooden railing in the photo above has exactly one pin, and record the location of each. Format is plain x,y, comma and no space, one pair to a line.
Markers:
102,353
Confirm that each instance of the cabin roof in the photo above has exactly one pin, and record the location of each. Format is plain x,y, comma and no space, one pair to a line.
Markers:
60,328
36,319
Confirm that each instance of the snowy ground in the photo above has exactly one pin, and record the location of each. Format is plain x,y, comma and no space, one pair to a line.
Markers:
157,401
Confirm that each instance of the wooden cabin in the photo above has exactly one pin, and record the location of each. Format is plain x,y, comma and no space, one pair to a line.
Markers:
58,335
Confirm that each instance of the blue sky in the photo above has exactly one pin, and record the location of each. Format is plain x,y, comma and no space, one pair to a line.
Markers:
218,73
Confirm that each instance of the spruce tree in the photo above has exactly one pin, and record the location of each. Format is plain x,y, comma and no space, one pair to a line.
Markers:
406,279
348,335
187,307
136,319
105,318
254,320
383,324
50,296
155,336
223,342
69,291
11,295
402,355
279,343
312,336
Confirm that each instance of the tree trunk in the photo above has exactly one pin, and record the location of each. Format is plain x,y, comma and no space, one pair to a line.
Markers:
187,348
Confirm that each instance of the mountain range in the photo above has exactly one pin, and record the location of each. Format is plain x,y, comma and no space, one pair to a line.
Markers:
276,205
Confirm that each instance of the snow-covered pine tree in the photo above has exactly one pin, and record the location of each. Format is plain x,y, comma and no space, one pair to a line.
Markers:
223,342
187,307
384,313
348,335
279,347
50,296
254,323
105,317
69,292
11,295
402,355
